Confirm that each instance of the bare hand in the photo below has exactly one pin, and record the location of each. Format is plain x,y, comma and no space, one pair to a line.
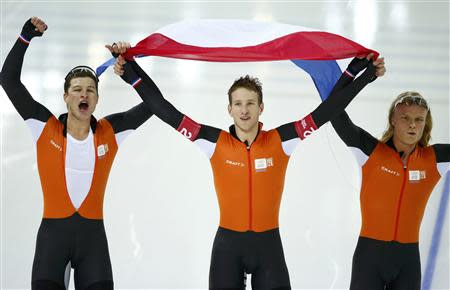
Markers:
39,24
380,67
118,66
118,47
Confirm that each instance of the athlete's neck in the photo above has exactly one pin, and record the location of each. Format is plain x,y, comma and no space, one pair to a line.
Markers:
247,136
78,129
403,147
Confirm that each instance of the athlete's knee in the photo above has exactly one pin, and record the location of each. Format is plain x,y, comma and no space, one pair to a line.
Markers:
46,285
101,285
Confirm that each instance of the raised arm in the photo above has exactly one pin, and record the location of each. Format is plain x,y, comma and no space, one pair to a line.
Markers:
205,136
126,122
342,94
358,140
31,111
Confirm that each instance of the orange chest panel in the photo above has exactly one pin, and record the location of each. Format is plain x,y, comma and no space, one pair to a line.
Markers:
394,196
249,182
51,165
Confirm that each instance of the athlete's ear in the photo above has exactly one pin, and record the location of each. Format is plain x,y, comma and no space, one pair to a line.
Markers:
229,109
65,97
261,108
393,119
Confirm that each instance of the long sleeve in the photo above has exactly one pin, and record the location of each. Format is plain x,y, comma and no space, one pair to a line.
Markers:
205,136
34,113
442,152
126,122
342,94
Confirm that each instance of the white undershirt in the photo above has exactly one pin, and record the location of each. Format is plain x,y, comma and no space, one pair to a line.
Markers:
80,162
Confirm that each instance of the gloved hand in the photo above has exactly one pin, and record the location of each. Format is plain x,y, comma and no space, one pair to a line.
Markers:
370,73
33,27
357,65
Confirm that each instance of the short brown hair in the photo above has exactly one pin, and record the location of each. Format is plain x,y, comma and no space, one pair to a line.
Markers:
80,71
409,98
249,83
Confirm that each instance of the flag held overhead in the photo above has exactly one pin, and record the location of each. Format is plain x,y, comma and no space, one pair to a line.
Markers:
314,51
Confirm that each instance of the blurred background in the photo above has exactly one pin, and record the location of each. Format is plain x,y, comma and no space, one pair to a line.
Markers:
161,212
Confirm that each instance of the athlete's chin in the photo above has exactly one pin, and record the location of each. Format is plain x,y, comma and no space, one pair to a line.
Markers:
411,140
246,127
83,115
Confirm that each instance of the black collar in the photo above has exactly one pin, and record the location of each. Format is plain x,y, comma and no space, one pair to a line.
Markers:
233,133
390,143
63,119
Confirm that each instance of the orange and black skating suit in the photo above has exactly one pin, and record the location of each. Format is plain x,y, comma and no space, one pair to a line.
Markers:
393,199
69,235
249,181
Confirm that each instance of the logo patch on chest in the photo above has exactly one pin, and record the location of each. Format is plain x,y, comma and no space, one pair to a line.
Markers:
417,175
261,164
102,150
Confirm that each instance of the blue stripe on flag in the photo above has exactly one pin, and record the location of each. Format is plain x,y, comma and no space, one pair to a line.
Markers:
101,69
104,66
324,73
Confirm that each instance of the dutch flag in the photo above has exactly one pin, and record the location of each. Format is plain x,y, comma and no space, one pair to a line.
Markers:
314,51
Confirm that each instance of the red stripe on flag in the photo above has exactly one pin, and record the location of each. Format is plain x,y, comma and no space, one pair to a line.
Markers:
298,45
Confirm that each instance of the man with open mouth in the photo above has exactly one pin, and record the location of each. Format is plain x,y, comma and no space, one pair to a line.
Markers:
75,153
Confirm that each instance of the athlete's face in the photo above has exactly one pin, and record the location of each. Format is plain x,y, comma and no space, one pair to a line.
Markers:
245,109
409,122
81,98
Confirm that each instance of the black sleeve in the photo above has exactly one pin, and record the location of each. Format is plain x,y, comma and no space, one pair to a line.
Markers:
287,131
352,135
442,152
131,119
152,97
24,103
342,94
209,133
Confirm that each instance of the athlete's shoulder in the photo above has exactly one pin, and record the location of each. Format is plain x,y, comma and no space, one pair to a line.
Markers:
428,148
225,135
103,122
382,145
102,126
52,130
382,149
54,124
271,134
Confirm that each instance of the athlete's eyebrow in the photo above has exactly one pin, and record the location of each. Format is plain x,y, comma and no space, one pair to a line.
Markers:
80,86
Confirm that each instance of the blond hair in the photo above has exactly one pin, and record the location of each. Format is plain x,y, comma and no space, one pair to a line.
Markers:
409,98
